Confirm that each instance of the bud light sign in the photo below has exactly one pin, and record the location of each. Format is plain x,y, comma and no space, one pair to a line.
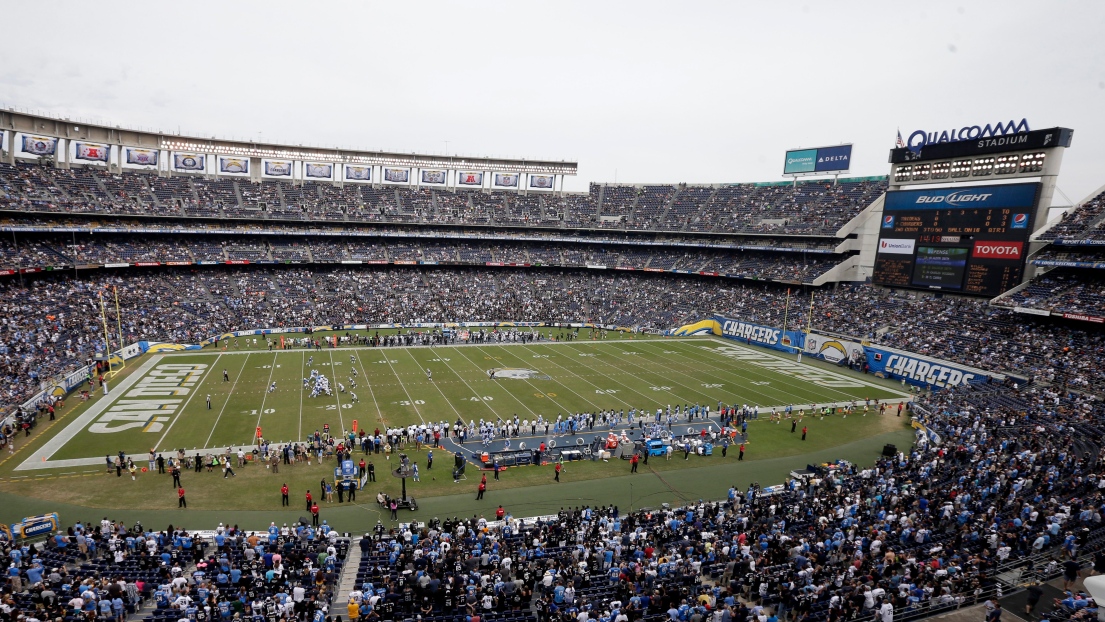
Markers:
975,197
819,160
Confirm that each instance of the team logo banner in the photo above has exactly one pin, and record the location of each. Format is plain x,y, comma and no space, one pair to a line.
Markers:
141,157
541,182
318,170
39,145
397,175
190,162
505,180
234,166
93,152
358,173
277,168
466,178
833,350
433,177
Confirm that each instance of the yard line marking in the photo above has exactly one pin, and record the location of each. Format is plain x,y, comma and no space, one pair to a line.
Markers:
264,396
228,396
566,386
756,371
447,401
184,408
371,393
551,399
812,367
507,391
337,393
409,398
607,376
302,364
630,374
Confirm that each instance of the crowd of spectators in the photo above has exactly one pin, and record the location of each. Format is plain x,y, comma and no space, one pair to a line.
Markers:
1001,477
51,324
111,572
805,208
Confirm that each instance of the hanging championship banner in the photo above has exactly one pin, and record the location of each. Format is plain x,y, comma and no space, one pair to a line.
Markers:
541,182
397,175
194,162
504,180
233,166
468,178
140,157
37,146
92,152
318,170
358,173
277,168
434,177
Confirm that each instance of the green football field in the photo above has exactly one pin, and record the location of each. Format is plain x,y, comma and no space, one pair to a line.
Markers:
162,401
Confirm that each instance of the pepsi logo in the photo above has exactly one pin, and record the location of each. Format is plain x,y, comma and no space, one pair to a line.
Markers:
888,221
1020,221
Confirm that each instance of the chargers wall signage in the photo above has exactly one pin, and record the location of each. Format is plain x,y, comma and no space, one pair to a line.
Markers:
988,135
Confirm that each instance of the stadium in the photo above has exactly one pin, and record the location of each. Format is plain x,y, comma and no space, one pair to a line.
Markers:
269,379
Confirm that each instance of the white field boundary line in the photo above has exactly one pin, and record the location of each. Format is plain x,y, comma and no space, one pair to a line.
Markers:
40,459
744,381
784,357
689,351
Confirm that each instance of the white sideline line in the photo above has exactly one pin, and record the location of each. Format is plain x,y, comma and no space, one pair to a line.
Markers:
40,459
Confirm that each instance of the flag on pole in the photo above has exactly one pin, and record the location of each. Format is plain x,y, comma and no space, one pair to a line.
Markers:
899,143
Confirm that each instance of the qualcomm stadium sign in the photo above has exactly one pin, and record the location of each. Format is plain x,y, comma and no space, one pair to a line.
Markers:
998,134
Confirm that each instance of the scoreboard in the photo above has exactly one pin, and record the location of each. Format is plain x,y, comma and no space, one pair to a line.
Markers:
965,239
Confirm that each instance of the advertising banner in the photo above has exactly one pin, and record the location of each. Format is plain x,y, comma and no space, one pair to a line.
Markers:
469,178
833,159
192,162
801,161
357,173
1009,196
233,166
318,170
277,168
135,156
91,152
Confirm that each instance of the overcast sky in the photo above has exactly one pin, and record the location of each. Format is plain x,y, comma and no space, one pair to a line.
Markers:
637,91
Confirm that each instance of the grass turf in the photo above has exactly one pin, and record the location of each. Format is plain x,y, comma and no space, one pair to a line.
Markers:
582,375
